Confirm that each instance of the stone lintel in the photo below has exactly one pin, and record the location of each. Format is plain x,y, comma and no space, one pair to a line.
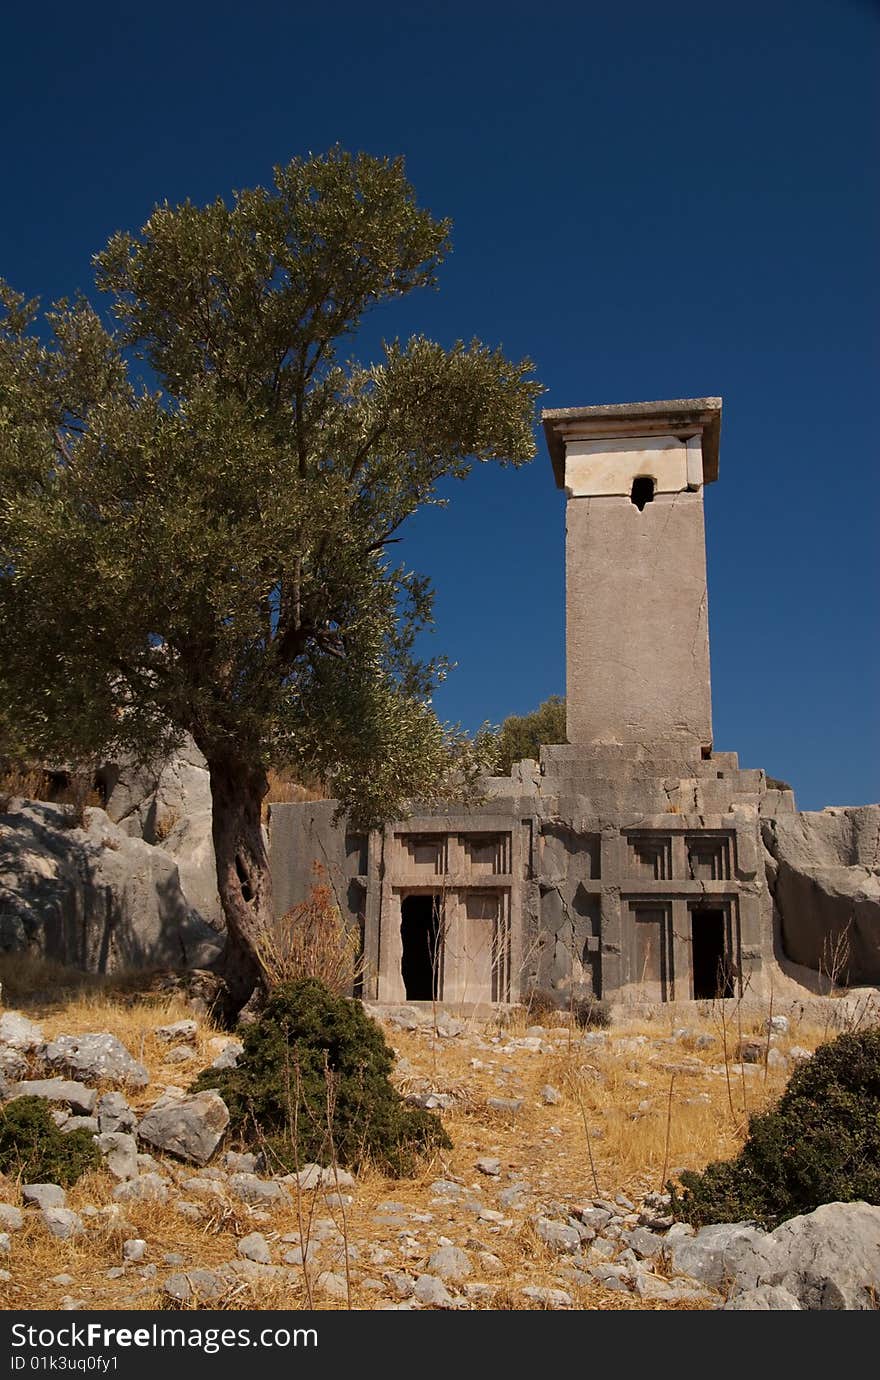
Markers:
682,417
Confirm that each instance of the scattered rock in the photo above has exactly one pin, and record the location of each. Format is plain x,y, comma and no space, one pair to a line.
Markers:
134,1250
432,1292
98,1055
80,1123
198,1284
767,1298
120,1153
19,1033
548,1298
44,1195
114,1113
550,1096
510,1105
190,1127
11,1218
450,1262
488,1165
62,1222
179,1030
252,1189
558,1236
255,1247
145,1188
70,1094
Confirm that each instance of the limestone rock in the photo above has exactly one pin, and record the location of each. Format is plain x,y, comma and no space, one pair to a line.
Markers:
548,1298
94,897
134,1250
250,1188
766,1298
724,1251
206,1285
824,872
120,1153
147,1187
255,1247
62,1222
190,1127
169,806
432,1292
830,1259
11,1218
179,1030
98,1056
114,1113
63,1090
450,1262
19,1033
44,1195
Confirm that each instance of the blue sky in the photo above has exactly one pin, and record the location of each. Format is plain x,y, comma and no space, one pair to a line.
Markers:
649,200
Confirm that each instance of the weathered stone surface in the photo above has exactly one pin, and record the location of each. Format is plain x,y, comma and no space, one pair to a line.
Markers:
558,1236
11,1218
431,1292
723,1252
63,1090
62,1222
80,1123
200,1284
548,1298
94,897
254,1246
98,1056
120,1153
824,873
829,1259
169,805
19,1033
134,1250
766,1298
450,1262
114,1113
252,1189
44,1195
147,1187
178,1030
189,1127
228,1057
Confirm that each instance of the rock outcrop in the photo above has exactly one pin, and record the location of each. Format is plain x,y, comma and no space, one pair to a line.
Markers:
94,897
823,870
170,805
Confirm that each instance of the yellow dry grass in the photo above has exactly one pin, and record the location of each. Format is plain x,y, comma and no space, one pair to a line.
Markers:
649,1109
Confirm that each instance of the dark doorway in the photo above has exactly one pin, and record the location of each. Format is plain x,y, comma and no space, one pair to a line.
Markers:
422,946
710,955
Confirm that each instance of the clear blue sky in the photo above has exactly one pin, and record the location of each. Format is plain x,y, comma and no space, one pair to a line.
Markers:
651,200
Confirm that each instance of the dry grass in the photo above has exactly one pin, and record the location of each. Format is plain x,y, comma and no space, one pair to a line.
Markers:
313,941
623,1098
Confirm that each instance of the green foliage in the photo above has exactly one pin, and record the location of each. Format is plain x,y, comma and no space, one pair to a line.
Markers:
34,1150
819,1144
313,1084
213,555
523,735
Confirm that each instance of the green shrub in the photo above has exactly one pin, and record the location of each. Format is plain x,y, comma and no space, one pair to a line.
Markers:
312,1084
33,1149
819,1144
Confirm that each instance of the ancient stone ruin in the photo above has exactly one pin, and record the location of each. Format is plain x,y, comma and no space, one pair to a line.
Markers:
634,862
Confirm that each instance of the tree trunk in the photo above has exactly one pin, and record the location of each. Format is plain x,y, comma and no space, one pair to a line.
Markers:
243,877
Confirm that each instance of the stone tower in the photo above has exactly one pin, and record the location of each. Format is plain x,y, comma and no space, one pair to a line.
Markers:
637,633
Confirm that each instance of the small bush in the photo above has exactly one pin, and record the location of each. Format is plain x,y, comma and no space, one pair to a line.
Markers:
312,1085
592,1014
33,1149
313,941
819,1144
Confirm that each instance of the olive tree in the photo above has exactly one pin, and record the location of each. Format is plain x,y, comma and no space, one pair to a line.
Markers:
200,495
